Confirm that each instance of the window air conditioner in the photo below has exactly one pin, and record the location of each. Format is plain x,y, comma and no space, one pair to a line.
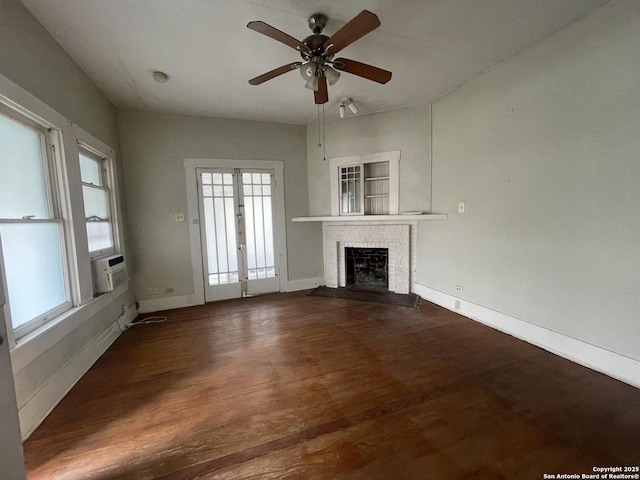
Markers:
108,273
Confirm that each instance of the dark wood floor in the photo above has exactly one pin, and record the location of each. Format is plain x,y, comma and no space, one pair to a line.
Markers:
296,387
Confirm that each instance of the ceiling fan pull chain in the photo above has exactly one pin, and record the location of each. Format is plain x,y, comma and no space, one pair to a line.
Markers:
324,137
319,142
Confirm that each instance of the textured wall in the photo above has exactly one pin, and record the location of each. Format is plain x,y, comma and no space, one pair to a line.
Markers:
154,147
544,150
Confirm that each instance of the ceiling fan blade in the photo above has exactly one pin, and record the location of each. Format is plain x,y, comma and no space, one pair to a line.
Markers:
274,73
276,34
356,28
362,70
321,95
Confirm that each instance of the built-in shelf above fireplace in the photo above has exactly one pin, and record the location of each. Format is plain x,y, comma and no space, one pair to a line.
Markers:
373,218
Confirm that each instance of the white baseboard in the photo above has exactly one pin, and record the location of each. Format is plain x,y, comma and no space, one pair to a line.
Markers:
304,284
596,358
166,303
44,400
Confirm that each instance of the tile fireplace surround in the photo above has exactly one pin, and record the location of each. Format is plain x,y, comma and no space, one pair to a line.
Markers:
397,238
398,233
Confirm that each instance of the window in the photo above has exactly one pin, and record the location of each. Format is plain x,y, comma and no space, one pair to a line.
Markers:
32,234
94,172
351,190
365,184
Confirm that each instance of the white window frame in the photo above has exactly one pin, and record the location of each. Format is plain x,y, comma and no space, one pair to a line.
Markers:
105,165
393,157
54,183
66,136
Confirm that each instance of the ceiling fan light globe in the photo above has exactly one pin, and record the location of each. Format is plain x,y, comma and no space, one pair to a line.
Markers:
308,70
332,75
353,107
343,110
312,84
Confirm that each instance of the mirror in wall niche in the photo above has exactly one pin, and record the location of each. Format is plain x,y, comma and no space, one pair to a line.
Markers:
365,184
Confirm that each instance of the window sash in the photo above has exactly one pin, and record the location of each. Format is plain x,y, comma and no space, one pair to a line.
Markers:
46,316
51,189
105,186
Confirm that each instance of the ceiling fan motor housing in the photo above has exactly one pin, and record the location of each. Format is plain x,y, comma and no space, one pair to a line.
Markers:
317,22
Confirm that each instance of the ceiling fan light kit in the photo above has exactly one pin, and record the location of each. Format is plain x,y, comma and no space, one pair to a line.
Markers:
317,51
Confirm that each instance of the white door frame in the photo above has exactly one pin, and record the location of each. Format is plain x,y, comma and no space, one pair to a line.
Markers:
190,166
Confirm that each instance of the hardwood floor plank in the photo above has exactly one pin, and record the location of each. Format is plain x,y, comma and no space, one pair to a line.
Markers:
290,386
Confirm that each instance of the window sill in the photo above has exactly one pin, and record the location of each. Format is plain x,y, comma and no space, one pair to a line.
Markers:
35,343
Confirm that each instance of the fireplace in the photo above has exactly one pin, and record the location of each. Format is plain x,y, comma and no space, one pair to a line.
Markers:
367,268
398,238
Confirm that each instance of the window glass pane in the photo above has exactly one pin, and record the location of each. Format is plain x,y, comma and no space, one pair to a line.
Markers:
96,203
90,170
34,268
22,177
99,236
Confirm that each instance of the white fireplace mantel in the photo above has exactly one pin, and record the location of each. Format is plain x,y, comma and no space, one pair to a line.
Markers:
374,218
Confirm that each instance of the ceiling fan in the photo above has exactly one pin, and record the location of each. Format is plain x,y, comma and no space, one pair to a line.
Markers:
318,66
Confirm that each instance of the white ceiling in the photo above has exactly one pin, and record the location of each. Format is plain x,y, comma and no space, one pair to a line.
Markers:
431,46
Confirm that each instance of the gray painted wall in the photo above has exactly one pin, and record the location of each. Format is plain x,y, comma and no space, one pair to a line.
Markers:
31,58
544,149
154,146
405,129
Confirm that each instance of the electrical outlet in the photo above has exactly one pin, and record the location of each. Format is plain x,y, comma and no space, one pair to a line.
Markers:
462,207
459,288
156,291
179,217
149,291
168,290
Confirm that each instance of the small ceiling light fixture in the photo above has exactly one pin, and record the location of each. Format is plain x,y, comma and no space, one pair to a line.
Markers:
160,77
347,102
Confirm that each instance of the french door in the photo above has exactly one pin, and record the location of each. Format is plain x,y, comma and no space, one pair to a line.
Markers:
237,230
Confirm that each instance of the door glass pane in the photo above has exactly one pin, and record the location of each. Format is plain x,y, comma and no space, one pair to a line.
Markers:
90,170
22,176
250,234
34,268
210,234
259,226
220,229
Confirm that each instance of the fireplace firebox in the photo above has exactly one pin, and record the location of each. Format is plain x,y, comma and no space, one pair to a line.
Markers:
367,268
